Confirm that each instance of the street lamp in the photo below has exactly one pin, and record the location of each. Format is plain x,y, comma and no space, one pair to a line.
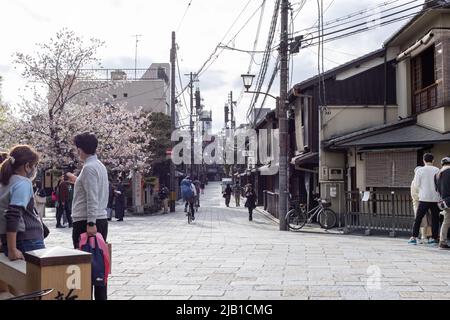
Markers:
248,80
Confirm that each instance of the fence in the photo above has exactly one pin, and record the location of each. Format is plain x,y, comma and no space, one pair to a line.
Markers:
271,203
382,211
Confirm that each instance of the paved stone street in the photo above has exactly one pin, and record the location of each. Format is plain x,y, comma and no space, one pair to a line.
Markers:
224,256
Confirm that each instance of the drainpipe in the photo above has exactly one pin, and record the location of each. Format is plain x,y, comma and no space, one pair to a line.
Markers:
385,87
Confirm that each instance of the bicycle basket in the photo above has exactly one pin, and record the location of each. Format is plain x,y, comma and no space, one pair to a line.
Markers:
326,204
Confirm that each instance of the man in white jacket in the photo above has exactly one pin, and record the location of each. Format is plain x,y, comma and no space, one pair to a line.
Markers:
428,199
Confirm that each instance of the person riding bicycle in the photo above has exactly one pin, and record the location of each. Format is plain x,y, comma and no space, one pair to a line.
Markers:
188,192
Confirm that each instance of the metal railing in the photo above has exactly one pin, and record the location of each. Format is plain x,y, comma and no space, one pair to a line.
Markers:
425,99
271,203
382,211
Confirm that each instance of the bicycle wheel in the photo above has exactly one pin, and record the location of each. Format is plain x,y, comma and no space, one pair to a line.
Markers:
189,215
296,219
327,219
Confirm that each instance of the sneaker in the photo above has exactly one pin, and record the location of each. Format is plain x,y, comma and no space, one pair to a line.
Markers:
432,242
444,245
412,241
60,226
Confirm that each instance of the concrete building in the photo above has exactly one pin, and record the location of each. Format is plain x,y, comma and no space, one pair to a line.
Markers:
146,88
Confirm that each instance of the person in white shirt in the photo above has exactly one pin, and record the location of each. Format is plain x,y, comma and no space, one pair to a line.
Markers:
428,199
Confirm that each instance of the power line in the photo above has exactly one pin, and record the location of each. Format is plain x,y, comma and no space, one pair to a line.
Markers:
211,56
266,58
365,23
231,40
371,27
349,16
184,15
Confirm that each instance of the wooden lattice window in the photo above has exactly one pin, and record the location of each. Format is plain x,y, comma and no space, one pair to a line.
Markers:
390,168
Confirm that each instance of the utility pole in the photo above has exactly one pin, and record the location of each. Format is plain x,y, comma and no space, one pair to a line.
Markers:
135,54
233,126
192,76
282,115
173,55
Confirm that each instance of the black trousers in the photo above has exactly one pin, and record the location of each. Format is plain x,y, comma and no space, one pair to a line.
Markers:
422,210
250,213
63,209
227,200
80,227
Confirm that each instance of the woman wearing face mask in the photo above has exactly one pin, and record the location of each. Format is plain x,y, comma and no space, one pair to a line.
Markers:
21,229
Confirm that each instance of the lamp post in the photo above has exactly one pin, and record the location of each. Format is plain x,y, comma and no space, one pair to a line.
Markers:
282,174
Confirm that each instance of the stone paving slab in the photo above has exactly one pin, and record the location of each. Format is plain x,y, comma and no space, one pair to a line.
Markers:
222,255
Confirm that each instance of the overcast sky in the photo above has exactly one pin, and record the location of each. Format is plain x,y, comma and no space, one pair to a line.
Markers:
26,22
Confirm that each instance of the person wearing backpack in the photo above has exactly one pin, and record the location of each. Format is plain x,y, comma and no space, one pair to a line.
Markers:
90,199
188,191
164,196
443,186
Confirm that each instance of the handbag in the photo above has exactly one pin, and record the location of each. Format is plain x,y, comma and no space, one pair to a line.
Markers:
100,257
44,227
54,197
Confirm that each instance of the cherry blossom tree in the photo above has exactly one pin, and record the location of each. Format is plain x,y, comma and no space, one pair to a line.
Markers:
58,109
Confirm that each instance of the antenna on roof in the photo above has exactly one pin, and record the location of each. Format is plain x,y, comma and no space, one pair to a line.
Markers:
137,36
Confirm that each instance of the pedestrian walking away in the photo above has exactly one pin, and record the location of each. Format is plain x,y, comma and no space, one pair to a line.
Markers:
90,200
40,200
119,195
227,195
197,185
202,187
425,225
164,197
424,179
237,191
63,208
443,187
109,208
21,228
250,203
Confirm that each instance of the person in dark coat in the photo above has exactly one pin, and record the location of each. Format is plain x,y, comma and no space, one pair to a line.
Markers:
110,200
120,200
251,201
227,194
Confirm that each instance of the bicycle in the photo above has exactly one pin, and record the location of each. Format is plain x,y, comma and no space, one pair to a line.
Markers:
298,216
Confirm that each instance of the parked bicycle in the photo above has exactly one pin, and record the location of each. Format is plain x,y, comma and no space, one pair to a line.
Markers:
299,216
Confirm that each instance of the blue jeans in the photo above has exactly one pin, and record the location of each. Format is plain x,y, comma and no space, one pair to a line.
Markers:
26,245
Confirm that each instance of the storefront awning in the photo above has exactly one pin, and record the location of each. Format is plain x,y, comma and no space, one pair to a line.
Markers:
412,135
306,158
269,169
